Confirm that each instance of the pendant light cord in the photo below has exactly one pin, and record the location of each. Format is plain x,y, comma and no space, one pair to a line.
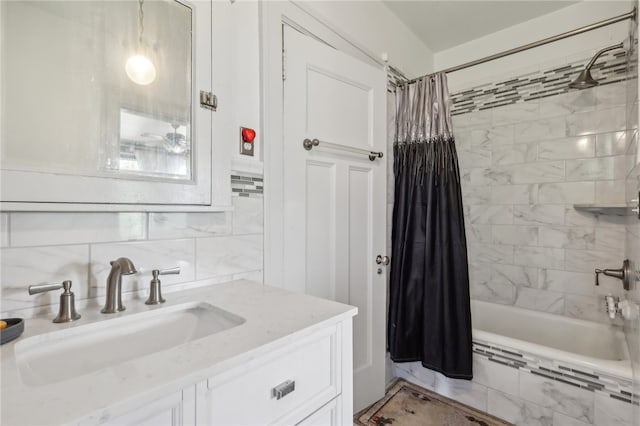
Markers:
140,21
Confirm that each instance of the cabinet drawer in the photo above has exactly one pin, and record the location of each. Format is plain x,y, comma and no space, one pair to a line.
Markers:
329,415
309,366
166,411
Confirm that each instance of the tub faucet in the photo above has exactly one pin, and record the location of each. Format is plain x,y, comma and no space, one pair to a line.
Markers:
119,267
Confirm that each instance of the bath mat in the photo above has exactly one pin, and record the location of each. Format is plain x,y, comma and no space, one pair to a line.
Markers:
406,404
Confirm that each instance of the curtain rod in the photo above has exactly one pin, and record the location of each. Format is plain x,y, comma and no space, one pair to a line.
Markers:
600,24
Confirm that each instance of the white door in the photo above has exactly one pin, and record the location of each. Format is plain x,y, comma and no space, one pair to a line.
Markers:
334,200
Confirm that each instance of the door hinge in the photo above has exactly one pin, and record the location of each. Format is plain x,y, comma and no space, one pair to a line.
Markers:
284,64
208,100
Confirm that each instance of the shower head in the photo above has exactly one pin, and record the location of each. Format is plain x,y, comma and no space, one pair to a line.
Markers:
585,79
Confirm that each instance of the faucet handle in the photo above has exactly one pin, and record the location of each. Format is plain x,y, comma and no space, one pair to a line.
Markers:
598,272
67,310
41,288
168,271
155,291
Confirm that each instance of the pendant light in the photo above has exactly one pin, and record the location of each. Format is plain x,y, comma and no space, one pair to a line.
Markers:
138,67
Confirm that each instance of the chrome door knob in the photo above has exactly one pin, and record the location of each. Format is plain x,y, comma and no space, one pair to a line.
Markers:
382,260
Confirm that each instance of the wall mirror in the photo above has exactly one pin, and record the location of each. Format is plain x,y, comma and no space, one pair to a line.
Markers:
100,102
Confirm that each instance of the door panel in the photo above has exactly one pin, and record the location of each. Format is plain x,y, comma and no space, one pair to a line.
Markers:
360,255
334,200
320,230
339,110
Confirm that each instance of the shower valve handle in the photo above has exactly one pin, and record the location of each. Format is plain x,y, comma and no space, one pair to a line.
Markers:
624,274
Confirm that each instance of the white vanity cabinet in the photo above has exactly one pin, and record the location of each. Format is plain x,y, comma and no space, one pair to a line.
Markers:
175,409
314,371
287,360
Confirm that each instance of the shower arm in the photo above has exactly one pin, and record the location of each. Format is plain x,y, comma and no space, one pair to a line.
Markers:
600,52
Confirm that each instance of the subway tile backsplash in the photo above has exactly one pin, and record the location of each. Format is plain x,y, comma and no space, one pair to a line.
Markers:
43,229
51,247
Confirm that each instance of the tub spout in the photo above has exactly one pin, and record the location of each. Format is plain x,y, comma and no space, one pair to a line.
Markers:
611,306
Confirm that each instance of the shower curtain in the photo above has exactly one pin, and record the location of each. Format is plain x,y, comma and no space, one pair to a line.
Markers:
429,312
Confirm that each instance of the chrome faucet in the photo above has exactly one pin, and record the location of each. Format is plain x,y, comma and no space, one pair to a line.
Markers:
119,267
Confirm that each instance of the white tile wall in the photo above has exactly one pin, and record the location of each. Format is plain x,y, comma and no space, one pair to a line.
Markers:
541,300
186,225
495,376
51,247
247,215
518,411
523,168
521,397
467,392
609,411
4,229
566,399
228,255
632,234
25,266
567,193
41,229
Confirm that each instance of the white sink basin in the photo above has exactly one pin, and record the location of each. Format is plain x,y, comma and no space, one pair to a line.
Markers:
64,354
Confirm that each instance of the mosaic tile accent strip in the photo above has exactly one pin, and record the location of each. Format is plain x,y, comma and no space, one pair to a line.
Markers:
246,185
616,388
610,68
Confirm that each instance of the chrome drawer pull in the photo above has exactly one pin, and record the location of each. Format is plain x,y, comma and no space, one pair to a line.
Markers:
283,389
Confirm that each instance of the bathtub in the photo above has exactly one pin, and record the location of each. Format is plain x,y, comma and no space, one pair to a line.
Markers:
550,342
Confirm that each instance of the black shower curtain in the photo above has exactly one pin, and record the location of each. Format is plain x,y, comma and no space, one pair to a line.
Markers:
429,310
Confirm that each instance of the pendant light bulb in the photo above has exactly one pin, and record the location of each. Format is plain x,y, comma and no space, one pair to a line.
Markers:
140,70
138,67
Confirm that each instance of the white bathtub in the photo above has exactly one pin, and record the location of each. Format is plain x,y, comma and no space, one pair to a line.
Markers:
587,345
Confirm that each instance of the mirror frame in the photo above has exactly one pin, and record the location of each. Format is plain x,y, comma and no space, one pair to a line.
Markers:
46,191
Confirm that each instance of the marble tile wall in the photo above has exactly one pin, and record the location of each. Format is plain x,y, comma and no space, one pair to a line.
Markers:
519,396
523,167
632,228
38,248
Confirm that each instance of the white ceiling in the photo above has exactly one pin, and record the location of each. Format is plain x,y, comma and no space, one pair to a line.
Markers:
442,24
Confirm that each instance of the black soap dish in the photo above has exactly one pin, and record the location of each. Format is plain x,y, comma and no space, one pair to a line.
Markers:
15,327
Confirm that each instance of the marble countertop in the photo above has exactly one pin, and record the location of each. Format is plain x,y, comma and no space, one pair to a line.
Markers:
273,317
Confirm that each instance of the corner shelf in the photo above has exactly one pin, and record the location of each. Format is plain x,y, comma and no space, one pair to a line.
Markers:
606,209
